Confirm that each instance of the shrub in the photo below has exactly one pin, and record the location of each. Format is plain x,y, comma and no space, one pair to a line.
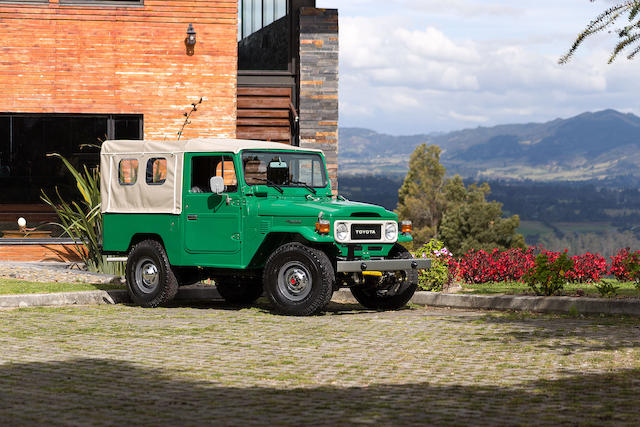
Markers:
82,221
547,276
587,268
607,288
513,264
442,270
625,266
508,266
476,267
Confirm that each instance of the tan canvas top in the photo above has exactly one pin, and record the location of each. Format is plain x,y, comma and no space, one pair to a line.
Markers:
139,156
201,145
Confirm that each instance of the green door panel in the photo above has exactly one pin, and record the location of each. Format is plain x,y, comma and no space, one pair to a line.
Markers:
212,224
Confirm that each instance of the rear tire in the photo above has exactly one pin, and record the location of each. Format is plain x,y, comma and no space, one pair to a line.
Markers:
239,290
374,298
150,280
299,280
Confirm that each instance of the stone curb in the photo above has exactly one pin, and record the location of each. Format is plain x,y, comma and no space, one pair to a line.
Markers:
97,297
629,307
64,298
580,305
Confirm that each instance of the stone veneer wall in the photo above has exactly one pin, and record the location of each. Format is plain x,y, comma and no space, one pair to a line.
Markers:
319,84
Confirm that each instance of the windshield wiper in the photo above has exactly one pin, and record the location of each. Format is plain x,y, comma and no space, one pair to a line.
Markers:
270,184
305,185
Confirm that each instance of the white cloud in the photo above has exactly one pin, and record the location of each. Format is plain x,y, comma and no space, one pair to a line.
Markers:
441,83
466,8
410,66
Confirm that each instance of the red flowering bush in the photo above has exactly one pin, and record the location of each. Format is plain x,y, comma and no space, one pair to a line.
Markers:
482,267
587,268
512,265
625,265
476,267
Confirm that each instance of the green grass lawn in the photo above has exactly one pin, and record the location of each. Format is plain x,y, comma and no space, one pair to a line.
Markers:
626,289
14,287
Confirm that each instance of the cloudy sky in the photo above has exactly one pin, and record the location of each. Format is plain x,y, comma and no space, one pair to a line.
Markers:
420,66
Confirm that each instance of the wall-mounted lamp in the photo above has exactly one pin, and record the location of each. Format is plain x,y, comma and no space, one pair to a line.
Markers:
191,36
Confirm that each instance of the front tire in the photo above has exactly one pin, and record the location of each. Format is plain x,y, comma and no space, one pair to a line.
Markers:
299,280
370,295
150,280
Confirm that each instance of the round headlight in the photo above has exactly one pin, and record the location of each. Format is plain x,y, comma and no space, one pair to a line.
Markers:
342,232
391,231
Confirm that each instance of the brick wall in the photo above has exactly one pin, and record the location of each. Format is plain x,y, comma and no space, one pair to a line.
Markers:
59,58
319,84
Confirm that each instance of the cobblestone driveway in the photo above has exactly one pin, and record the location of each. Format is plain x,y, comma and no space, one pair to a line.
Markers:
212,364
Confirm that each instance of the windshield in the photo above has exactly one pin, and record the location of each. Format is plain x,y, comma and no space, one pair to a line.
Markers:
284,169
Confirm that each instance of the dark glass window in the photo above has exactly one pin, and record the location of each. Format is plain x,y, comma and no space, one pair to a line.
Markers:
284,169
128,171
264,35
126,127
26,139
156,171
203,168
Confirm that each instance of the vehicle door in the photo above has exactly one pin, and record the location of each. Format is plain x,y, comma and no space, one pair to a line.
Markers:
212,221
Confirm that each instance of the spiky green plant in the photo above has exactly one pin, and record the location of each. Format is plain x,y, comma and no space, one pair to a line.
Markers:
628,35
82,221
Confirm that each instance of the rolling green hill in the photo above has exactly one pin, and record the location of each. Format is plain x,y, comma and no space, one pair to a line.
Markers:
589,146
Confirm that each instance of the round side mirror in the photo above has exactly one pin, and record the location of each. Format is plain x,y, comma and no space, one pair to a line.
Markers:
217,184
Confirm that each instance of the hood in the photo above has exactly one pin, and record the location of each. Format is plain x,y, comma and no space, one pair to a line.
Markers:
331,209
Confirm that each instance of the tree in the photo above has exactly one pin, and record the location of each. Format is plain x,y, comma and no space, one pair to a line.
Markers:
446,209
628,35
421,197
472,222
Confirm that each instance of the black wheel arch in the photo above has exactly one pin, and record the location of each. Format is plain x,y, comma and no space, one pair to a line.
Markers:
139,237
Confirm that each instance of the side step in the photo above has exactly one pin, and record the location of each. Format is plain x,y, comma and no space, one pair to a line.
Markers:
117,259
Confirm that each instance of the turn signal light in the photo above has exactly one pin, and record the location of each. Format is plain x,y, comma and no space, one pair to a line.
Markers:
406,227
323,226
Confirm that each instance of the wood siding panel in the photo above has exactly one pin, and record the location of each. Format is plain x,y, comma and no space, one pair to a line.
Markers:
264,113
24,253
32,213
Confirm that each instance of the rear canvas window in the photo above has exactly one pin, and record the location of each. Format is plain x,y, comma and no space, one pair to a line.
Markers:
156,173
128,171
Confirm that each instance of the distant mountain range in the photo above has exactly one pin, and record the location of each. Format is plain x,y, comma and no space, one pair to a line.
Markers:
590,146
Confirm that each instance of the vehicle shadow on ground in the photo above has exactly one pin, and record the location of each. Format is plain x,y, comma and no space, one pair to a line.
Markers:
101,391
263,305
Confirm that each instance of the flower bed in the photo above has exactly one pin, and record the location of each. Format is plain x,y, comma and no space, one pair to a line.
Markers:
478,267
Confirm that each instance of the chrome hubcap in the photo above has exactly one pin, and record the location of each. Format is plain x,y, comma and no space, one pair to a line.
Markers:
147,275
294,281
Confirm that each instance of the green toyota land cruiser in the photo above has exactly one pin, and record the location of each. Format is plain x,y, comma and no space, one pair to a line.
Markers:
256,217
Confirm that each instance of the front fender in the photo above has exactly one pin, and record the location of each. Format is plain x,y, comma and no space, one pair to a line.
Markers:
305,232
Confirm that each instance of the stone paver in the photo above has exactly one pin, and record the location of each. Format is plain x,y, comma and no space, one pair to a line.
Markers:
196,364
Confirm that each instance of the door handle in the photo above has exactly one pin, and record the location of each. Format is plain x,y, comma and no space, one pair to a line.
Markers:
192,217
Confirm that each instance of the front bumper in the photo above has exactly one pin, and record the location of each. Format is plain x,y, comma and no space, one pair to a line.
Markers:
382,265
